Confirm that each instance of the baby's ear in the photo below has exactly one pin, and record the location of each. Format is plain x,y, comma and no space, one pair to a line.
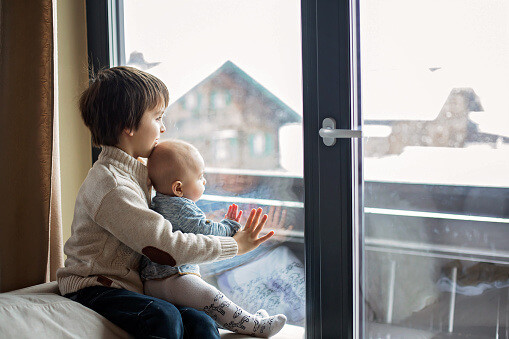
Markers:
176,188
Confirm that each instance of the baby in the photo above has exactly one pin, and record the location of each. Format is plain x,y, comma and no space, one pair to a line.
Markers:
176,171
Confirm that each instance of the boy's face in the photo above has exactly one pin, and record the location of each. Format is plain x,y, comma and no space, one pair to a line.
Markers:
194,184
146,137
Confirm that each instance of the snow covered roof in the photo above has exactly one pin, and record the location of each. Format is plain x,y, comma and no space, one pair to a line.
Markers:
491,123
419,94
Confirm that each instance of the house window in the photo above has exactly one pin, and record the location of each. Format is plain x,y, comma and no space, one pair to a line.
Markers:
226,147
191,101
261,144
218,100
258,144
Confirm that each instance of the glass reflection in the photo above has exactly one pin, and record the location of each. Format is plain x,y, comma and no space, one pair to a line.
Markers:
436,217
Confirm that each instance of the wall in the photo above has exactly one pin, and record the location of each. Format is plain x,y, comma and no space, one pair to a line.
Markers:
75,149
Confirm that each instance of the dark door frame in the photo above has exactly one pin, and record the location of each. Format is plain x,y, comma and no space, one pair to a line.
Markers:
327,79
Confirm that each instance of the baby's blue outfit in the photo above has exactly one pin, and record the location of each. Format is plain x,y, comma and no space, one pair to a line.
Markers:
186,217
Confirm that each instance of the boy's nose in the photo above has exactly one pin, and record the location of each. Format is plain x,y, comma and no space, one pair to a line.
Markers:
163,128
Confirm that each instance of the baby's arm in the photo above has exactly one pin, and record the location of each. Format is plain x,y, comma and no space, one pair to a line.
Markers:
192,220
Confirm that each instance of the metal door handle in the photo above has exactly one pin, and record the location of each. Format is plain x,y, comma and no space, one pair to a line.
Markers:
329,133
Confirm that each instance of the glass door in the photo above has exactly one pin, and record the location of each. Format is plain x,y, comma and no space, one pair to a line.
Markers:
434,250
234,72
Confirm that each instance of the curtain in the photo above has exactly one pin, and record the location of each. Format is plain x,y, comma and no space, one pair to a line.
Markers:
30,217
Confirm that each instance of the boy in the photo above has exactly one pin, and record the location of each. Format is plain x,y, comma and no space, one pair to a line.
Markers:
113,225
176,170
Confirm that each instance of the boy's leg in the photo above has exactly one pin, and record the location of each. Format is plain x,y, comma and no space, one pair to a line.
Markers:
197,325
137,314
190,290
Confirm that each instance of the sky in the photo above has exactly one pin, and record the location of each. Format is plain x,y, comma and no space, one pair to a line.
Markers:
193,38
466,42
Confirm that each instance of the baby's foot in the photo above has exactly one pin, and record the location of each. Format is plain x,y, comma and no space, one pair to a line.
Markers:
268,326
261,313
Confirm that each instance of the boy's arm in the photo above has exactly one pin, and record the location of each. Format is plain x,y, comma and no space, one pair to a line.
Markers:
125,214
192,220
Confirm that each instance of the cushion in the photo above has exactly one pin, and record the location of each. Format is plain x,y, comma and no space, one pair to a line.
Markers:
49,315
39,311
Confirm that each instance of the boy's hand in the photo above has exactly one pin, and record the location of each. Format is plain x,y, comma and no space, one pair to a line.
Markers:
232,213
247,238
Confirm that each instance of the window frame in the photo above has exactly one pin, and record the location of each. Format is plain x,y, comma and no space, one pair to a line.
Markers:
105,29
329,70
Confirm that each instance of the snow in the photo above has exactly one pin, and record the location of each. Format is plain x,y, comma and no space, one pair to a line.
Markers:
478,165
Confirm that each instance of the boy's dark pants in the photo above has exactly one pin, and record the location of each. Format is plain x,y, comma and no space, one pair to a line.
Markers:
146,317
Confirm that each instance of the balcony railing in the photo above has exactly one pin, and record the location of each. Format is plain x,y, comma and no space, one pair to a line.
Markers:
446,221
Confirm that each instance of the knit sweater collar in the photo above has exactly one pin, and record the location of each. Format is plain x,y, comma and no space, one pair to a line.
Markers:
120,159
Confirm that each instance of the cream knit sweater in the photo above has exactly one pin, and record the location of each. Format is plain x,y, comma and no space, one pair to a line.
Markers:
113,226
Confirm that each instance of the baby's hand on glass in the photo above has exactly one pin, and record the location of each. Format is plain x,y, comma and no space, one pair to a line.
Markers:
232,213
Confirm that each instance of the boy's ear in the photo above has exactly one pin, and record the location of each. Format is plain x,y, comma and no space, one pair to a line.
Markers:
176,188
128,131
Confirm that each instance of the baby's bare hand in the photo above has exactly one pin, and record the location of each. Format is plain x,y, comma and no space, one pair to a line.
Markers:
247,239
232,213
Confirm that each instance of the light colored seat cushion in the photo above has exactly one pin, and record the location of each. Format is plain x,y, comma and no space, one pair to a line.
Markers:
49,315
51,287
40,312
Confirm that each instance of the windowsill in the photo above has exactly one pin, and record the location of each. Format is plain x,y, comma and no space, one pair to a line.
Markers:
288,332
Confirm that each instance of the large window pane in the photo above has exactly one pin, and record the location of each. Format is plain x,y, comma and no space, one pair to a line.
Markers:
436,157
233,69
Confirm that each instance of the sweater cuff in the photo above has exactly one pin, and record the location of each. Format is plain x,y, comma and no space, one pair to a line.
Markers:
235,226
229,248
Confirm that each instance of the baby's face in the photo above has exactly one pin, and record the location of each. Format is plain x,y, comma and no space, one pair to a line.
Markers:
193,185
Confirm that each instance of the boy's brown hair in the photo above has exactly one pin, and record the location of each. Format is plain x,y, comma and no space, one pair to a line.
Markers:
116,99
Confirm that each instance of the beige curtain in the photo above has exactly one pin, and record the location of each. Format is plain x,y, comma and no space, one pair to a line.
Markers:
30,227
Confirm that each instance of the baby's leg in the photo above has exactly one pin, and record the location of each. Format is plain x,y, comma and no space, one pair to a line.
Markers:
190,290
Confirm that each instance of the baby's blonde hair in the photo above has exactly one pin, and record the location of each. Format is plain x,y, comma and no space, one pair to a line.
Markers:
171,160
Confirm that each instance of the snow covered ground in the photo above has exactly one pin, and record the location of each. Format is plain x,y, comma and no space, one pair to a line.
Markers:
478,165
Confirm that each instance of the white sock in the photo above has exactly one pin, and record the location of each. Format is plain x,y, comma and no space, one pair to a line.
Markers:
190,290
261,313
234,318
